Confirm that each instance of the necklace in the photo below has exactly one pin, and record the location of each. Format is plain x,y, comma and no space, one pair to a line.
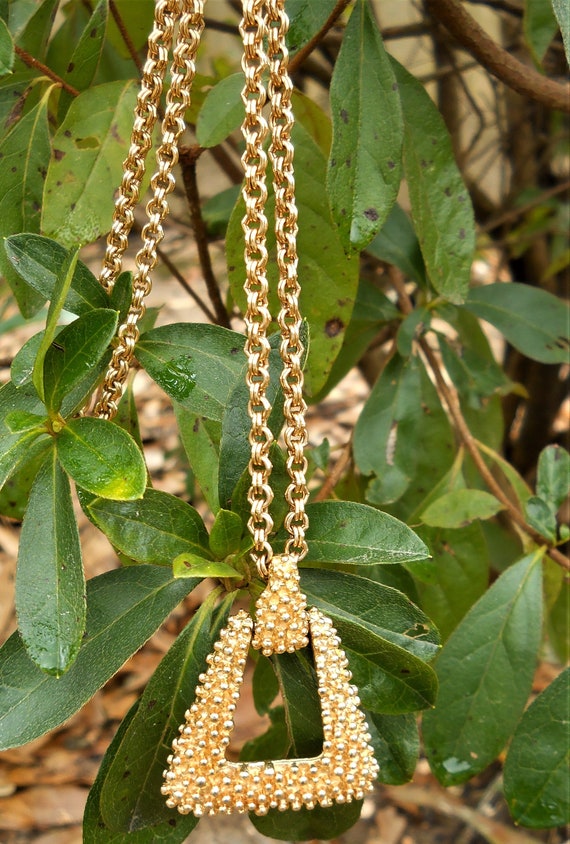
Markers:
200,779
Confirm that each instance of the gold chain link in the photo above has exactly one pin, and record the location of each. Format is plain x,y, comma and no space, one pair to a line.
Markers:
262,20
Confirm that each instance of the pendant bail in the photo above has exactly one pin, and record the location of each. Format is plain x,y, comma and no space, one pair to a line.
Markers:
282,621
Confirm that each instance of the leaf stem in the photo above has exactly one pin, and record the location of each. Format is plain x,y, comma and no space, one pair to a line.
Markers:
47,71
125,36
450,397
188,156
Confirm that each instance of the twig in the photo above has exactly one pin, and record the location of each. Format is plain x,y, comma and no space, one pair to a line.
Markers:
224,160
125,36
47,71
180,278
520,210
305,51
188,157
500,6
335,473
449,395
502,64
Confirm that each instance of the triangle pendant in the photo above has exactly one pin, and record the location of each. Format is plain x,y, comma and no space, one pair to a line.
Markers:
200,779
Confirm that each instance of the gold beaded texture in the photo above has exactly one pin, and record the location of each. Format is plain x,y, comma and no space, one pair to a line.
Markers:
203,781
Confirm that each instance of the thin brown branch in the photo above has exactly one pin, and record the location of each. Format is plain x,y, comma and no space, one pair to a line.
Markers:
514,213
188,157
335,473
306,51
47,71
180,278
497,61
125,35
224,160
448,394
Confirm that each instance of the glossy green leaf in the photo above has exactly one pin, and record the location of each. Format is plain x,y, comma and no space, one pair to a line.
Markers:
455,577
50,585
201,437
25,155
306,19
357,602
298,684
328,277
561,11
225,535
130,793
6,50
553,475
15,491
265,685
86,55
14,448
274,743
344,531
280,480
485,672
76,354
19,421
235,448
440,203
365,164
23,362
14,399
536,768
460,507
191,565
540,26
222,112
96,831
402,435
396,746
396,243
534,321
153,529
88,150
61,289
124,608
102,458
196,365
38,260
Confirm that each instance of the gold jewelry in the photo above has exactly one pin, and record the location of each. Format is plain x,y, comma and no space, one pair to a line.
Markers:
200,779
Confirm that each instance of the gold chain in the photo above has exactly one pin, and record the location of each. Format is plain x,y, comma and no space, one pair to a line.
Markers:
262,20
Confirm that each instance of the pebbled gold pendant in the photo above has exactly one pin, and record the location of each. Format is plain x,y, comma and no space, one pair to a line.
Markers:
200,779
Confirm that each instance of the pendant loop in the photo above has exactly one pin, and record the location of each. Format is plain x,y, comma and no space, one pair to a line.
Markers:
282,622
200,778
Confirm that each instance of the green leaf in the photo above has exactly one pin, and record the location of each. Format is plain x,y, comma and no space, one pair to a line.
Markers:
38,261
6,50
222,111
561,11
25,155
390,675
413,326
440,203
102,458
460,507
314,119
85,58
153,529
225,536
76,355
329,278
559,623
196,365
23,362
62,286
396,243
541,517
201,437
533,321
13,399
191,565
309,824
130,793
124,608
15,491
306,19
365,164
516,482
50,585
265,685
14,449
347,532
396,746
485,672
88,149
273,744
402,435
553,475
31,24
280,480
536,768
540,26
456,576
96,831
